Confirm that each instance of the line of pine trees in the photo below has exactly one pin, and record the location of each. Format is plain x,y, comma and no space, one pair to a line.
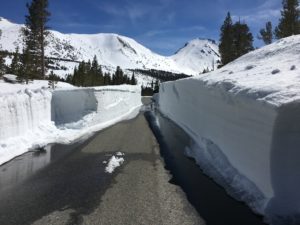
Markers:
89,74
235,40
289,23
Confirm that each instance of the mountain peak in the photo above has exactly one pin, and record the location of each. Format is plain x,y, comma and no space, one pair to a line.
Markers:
199,43
6,23
198,53
115,50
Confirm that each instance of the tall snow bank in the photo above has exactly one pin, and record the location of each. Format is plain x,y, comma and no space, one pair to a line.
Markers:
23,112
245,119
72,105
31,118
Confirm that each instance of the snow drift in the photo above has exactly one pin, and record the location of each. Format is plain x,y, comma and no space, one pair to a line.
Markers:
31,118
245,119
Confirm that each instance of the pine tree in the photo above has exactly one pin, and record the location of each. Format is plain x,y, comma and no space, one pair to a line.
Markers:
100,77
289,23
35,33
107,79
0,36
27,69
52,80
2,64
242,39
81,72
156,87
266,34
226,40
2,61
75,78
133,80
96,73
16,64
118,76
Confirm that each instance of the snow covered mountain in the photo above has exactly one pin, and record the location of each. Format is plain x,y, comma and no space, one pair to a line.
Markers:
115,50
196,54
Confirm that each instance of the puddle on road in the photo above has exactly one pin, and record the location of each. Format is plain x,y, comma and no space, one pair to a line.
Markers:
24,166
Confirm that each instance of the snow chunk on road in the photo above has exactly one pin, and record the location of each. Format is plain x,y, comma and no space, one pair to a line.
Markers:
113,163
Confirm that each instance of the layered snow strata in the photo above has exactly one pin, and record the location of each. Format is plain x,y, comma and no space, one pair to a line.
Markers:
31,118
246,123
23,112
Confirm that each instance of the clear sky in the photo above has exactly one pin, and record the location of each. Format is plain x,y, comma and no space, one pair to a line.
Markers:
161,25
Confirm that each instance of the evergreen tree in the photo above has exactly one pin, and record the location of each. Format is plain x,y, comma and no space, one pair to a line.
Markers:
27,69
242,40
266,34
0,36
2,64
69,79
289,23
16,64
100,77
81,71
53,79
34,37
156,87
118,76
226,40
107,79
133,81
96,73
87,75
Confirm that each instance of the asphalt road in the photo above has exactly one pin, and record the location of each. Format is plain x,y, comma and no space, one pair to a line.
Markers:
72,187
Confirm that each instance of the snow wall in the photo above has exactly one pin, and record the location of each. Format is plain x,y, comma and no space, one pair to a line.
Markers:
250,147
23,112
33,118
72,105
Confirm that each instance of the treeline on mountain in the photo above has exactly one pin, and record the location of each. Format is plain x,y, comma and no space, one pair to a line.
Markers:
161,75
158,76
237,40
150,90
89,74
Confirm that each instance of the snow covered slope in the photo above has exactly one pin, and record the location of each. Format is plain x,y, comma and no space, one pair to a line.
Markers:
198,53
115,50
37,117
245,119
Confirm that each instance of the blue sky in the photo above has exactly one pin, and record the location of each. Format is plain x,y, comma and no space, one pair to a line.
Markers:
161,25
